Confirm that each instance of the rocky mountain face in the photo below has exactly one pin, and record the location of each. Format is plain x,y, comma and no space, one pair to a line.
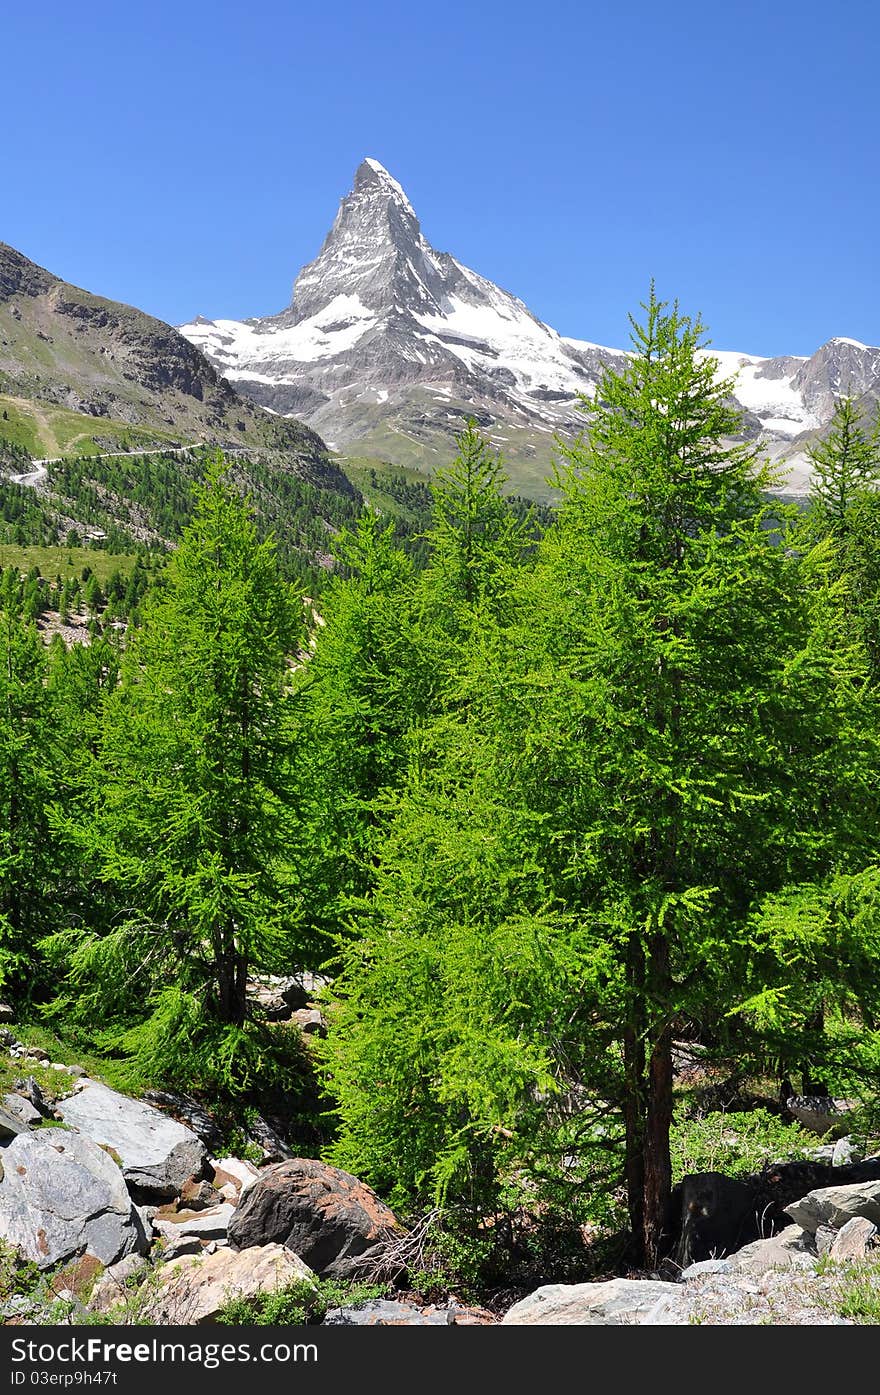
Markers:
388,345
76,365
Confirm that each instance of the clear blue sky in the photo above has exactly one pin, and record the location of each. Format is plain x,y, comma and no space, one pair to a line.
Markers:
188,157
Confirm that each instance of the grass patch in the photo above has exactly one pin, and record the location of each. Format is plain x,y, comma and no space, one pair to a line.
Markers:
45,431
395,490
66,562
64,1050
18,1277
24,1282
54,1084
851,1288
19,428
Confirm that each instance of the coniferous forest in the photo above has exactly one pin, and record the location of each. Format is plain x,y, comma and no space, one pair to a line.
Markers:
539,799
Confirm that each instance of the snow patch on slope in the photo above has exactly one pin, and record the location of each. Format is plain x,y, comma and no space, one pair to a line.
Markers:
490,329
241,344
774,400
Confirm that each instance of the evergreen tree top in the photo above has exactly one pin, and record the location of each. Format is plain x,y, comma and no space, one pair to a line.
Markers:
660,435
845,463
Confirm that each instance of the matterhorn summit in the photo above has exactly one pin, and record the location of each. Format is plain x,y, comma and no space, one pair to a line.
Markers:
388,346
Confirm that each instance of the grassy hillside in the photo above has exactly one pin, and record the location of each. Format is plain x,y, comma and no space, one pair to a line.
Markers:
67,562
79,372
46,431
529,454
114,506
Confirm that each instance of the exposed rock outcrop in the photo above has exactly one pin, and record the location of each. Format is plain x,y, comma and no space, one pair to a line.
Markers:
62,1195
157,1154
834,1206
615,1303
194,1288
712,1215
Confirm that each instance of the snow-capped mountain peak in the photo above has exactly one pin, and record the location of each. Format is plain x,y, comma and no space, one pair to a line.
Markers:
374,251
388,346
385,180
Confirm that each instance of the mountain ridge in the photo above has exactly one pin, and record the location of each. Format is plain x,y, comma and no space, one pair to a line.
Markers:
94,371
388,345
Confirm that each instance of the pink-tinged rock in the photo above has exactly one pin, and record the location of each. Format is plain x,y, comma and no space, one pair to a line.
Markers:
854,1239
194,1288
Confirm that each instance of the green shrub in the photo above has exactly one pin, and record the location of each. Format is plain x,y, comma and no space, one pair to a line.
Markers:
735,1144
297,1305
18,1277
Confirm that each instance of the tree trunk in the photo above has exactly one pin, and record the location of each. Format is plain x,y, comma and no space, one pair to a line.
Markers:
648,1101
232,989
658,1111
634,1084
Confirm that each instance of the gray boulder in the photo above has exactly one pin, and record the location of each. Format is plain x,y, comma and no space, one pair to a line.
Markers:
834,1206
189,1112
210,1224
116,1282
11,1124
233,1176
792,1248
386,1312
615,1303
261,1132
824,1238
819,1113
186,1245
61,1195
854,1239
310,1021
845,1152
706,1266
334,1222
30,1090
194,1288
825,1154
157,1154
21,1109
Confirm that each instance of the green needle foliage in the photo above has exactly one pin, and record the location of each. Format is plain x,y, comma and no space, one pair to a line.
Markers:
361,692
662,725
845,506
709,709
539,801
845,464
193,811
476,537
28,755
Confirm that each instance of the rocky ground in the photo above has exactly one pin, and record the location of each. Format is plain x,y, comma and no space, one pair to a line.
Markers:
126,1212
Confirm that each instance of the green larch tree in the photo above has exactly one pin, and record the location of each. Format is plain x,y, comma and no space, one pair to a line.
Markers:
28,760
660,727
845,463
192,808
710,709
475,536
362,687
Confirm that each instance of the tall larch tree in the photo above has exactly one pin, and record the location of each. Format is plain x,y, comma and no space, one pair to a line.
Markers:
193,810
707,706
